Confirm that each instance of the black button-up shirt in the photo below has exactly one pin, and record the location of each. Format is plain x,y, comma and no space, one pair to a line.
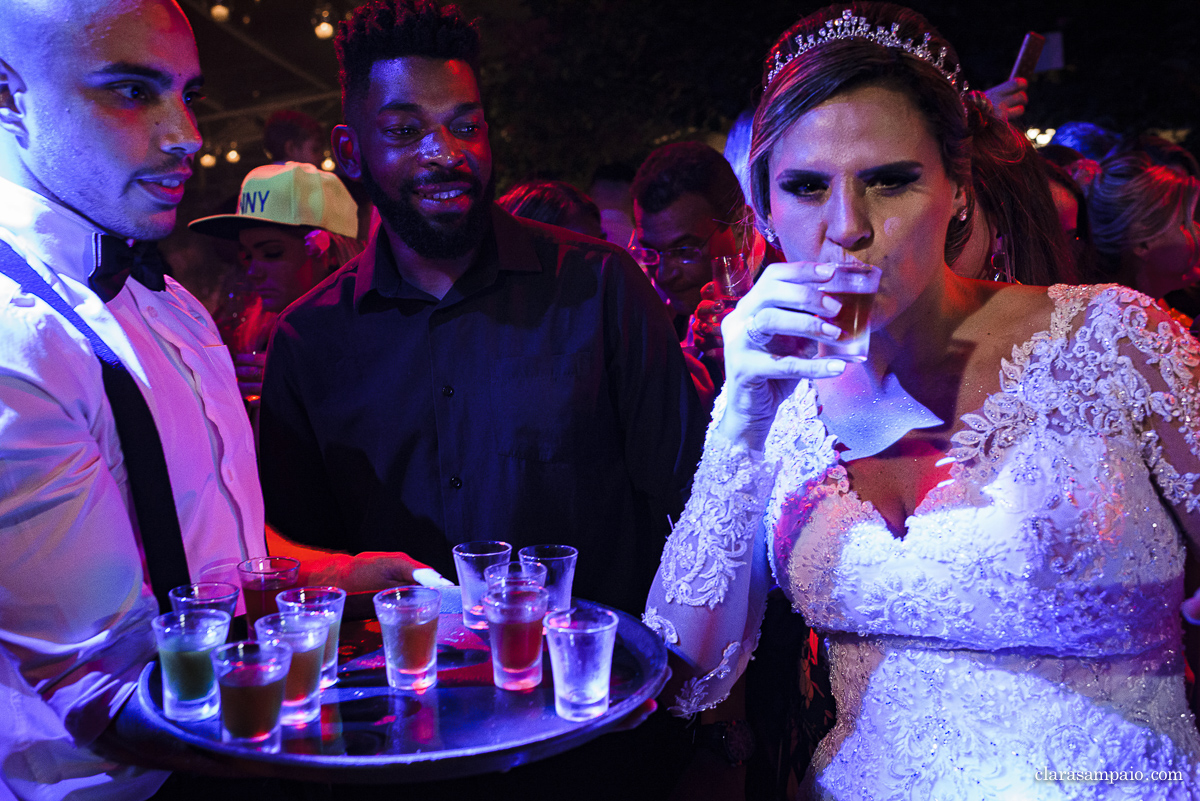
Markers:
543,399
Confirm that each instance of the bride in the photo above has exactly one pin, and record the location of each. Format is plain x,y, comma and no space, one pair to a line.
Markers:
989,516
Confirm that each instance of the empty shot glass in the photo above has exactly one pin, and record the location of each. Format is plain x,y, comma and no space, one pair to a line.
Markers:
470,560
252,676
559,561
329,601
262,579
515,627
515,574
581,644
185,642
408,621
205,595
306,633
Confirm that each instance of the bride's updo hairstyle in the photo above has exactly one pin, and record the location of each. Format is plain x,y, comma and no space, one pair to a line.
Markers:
900,51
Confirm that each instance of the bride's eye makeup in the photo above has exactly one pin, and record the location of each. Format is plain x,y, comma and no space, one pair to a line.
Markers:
803,185
892,179
887,179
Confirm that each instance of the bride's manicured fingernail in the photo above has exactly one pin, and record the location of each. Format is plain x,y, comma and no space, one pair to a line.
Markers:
835,367
830,330
824,271
831,305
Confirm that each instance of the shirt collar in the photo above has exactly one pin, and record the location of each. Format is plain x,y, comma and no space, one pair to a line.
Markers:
50,232
507,247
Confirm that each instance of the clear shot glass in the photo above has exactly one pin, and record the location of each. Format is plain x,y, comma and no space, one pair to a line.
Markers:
306,633
205,595
515,628
262,579
185,642
581,644
470,560
408,620
515,574
559,561
854,285
329,601
251,676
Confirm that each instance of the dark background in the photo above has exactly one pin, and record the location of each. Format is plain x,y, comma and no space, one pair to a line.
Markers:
570,84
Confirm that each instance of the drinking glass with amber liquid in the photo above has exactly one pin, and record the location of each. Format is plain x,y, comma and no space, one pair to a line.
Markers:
854,285
408,621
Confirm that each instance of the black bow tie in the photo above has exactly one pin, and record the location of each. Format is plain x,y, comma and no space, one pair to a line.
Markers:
119,260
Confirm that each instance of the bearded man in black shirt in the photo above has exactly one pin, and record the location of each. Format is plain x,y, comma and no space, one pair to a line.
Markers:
470,376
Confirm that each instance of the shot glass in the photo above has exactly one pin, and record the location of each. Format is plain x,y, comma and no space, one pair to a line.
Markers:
329,601
408,620
732,279
252,676
185,642
306,633
470,560
515,574
205,595
262,579
854,284
581,653
515,625
560,571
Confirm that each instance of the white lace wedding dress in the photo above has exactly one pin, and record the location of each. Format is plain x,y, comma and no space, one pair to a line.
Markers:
1026,626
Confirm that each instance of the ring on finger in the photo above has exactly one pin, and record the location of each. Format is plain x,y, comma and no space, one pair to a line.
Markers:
757,337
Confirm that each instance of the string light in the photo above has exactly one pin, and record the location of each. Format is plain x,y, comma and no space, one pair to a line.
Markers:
322,26
327,165
208,160
232,156
219,12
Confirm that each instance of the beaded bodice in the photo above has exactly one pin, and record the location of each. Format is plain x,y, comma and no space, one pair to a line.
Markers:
1045,574
1049,535
1030,613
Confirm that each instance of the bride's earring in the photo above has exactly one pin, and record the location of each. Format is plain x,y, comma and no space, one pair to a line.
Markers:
1001,264
769,233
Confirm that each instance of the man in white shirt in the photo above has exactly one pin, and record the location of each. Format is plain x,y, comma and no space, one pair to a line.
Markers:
97,134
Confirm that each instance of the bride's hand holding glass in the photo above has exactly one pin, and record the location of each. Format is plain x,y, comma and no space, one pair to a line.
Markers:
771,343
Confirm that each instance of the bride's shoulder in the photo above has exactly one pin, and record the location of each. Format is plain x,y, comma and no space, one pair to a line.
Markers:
1063,310
1011,313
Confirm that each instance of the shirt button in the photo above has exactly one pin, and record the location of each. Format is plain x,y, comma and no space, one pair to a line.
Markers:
228,473
151,311
455,482
447,390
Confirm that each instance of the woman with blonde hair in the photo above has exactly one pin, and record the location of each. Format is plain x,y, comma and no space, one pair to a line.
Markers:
1143,227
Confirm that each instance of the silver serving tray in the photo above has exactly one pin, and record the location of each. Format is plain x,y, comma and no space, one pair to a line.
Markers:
370,733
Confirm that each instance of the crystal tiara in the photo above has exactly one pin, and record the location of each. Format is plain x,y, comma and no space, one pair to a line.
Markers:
849,26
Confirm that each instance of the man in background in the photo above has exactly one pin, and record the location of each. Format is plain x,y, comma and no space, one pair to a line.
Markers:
293,136
686,202
470,376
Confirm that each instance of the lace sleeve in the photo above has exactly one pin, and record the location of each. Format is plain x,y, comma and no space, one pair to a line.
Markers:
710,591
1160,392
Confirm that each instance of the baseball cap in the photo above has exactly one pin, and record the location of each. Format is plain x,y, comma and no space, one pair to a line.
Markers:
292,193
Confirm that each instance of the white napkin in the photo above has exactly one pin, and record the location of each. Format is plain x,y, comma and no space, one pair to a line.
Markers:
868,417
428,577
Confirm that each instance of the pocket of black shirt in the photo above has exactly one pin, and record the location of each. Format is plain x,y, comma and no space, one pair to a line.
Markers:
543,407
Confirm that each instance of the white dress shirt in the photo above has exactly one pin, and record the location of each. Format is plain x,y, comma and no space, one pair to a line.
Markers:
75,603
